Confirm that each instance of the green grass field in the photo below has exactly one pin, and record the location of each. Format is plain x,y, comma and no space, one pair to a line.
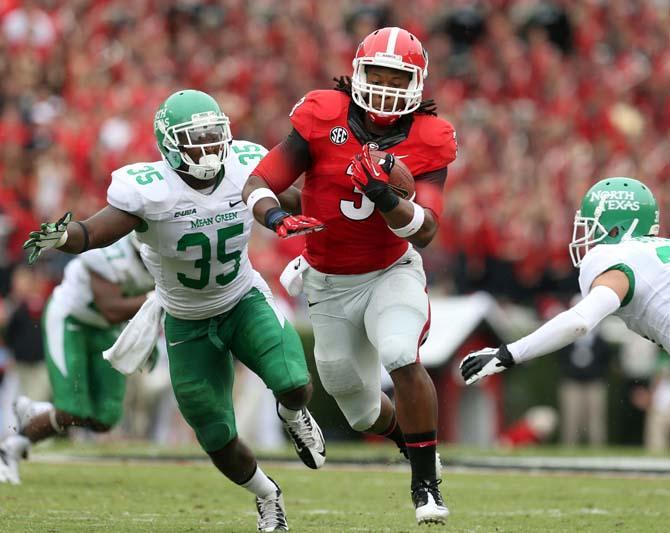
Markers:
121,495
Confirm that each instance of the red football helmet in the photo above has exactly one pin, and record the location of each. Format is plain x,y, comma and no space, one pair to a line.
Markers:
392,48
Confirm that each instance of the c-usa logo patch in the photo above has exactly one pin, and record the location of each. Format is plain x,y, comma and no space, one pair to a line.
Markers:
339,135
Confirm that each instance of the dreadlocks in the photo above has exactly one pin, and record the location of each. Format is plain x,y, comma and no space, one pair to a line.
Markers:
427,107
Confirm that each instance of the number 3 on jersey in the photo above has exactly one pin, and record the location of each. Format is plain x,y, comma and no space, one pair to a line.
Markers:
352,211
204,263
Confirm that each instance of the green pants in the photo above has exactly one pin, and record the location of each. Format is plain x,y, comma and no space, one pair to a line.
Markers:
84,384
201,364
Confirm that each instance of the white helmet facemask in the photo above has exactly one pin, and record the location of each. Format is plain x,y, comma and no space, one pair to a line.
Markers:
586,233
206,130
392,101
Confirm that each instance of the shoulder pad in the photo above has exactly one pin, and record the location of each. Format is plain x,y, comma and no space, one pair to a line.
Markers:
317,105
328,104
141,189
596,261
242,159
435,132
435,142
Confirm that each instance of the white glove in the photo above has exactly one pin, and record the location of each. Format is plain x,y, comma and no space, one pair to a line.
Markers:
485,362
50,235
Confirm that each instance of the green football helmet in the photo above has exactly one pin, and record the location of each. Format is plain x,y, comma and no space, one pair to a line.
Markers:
613,210
187,121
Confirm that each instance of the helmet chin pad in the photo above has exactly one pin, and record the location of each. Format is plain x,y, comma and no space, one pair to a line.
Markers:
207,167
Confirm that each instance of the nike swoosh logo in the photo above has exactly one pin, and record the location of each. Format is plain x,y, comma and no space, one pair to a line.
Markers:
175,343
401,156
233,204
297,265
310,304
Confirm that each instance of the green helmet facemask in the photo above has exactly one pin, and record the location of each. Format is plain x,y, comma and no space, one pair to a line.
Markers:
614,209
190,120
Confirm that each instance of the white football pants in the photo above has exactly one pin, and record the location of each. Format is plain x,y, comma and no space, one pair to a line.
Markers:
362,320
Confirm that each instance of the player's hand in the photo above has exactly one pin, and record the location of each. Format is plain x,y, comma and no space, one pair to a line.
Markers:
484,363
50,235
293,225
368,174
372,178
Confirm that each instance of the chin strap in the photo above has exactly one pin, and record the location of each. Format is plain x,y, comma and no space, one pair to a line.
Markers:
630,231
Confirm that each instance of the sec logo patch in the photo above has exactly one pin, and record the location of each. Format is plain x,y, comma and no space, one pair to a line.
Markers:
339,135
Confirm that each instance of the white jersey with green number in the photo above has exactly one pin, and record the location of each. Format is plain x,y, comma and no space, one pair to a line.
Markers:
195,244
646,262
118,263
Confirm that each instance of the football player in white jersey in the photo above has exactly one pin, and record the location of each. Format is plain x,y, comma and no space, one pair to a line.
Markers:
101,289
624,271
188,212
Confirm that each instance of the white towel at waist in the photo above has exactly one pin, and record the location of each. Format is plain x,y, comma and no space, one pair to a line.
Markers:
291,277
136,342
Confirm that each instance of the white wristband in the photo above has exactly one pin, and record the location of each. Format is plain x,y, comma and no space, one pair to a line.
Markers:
414,224
259,194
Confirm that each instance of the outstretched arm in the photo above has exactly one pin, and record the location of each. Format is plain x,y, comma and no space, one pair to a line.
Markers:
605,297
102,229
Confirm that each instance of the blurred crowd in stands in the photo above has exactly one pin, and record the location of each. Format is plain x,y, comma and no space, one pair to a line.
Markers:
546,97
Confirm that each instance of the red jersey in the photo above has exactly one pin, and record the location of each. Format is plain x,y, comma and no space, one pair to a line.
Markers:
356,239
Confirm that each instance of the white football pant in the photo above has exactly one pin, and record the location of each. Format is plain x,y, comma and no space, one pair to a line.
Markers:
362,320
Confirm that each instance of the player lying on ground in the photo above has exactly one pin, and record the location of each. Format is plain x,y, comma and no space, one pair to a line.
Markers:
188,213
623,270
101,289
365,283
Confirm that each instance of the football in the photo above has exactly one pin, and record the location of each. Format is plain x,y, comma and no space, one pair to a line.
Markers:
400,179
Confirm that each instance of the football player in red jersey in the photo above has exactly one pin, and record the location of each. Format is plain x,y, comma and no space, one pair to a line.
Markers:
363,279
